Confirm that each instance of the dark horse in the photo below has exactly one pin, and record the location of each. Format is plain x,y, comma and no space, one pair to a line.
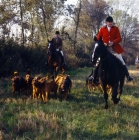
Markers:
110,72
54,59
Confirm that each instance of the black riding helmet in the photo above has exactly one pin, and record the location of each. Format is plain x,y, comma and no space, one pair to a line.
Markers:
109,19
57,32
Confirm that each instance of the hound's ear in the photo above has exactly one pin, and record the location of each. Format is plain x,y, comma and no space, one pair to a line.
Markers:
48,40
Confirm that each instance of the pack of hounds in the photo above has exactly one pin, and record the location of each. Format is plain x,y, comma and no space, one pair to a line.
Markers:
41,87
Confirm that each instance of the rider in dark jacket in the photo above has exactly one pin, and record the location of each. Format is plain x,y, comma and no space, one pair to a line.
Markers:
58,45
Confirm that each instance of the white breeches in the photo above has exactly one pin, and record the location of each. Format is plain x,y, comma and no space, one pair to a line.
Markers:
60,52
119,56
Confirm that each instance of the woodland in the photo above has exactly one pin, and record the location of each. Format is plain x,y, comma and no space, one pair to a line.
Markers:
26,26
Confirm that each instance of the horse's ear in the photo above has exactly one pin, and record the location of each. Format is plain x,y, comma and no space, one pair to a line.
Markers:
95,38
52,40
101,39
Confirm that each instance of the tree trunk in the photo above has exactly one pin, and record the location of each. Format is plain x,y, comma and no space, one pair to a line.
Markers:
44,20
77,23
22,29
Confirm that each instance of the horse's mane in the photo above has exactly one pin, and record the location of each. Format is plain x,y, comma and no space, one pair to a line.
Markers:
96,40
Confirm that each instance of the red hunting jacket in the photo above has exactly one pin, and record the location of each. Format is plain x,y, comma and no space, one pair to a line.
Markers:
113,36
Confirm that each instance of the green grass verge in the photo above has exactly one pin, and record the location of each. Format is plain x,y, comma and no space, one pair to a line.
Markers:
81,117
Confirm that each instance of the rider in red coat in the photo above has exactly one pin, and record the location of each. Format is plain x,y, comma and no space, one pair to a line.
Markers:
111,38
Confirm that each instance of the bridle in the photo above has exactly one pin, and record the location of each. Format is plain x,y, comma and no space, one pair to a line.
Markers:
50,50
106,57
101,53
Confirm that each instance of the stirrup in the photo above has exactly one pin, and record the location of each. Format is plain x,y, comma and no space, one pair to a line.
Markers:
46,63
95,82
91,78
64,64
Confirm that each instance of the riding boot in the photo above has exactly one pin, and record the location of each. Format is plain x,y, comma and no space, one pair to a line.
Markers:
94,77
46,63
62,60
64,63
129,78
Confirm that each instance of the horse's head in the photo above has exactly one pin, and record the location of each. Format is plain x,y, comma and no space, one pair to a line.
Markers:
51,46
98,50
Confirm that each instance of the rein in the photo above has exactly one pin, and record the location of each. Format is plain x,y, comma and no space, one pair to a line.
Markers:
101,60
105,58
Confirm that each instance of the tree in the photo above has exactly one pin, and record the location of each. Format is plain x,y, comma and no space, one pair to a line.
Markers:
7,14
93,13
47,13
125,17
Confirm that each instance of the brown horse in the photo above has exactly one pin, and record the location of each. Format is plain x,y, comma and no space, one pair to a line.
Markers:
54,59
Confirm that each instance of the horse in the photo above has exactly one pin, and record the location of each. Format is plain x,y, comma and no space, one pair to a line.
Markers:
110,71
54,59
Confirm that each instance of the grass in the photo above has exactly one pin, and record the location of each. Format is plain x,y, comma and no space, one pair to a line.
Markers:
81,117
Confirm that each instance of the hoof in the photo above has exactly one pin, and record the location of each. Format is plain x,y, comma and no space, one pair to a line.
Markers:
116,101
45,101
106,107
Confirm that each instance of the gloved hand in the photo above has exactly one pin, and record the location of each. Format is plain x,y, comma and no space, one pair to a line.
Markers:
110,44
105,44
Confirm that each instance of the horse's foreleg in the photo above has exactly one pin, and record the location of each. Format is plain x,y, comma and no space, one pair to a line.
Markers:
105,96
19,92
52,74
63,70
106,99
56,71
114,94
55,93
121,87
13,91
